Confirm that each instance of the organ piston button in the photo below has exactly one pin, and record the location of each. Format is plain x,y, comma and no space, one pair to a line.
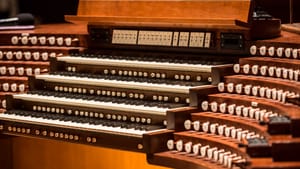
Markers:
51,40
42,40
34,40
188,147
253,50
60,41
170,144
288,52
196,148
254,69
45,56
263,70
19,55
13,87
27,55
5,87
3,70
12,70
230,87
37,132
246,68
9,55
221,87
214,106
14,40
36,55
271,51
279,52
236,68
24,40
295,53
68,41
262,50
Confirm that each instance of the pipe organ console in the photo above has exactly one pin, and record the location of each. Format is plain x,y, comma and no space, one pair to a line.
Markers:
27,54
187,94
246,121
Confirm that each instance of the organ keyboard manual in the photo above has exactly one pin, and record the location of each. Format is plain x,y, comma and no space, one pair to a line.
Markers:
190,89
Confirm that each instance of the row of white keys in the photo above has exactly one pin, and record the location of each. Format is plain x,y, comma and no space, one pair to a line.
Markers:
20,71
115,83
42,40
215,154
252,112
26,55
272,71
137,64
272,51
221,129
72,125
258,91
92,104
13,87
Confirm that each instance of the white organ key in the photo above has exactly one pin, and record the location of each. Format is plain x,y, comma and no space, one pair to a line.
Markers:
253,50
20,71
137,64
263,50
170,144
19,55
295,53
115,83
196,148
51,40
188,147
43,40
9,55
37,71
45,56
21,87
288,52
92,104
5,87
11,70
33,40
271,51
36,55
27,55
24,40
246,68
2,70
236,68
28,71
74,125
254,69
223,107
13,87
279,52
179,145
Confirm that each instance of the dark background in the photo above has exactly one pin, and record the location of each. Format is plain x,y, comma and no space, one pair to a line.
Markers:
53,11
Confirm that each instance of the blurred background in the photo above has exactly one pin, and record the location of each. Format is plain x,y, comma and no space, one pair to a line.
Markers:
53,11
45,11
